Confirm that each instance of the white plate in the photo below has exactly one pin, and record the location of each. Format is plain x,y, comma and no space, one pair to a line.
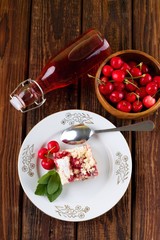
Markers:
79,201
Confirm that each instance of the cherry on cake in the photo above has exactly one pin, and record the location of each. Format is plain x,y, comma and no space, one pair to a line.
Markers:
75,164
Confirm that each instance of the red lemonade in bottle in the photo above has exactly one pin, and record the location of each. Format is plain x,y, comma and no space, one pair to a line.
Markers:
75,60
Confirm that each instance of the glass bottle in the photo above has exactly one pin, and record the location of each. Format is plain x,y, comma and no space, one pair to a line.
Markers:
79,57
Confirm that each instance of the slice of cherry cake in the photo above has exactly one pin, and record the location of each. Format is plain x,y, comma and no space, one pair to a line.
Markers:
75,164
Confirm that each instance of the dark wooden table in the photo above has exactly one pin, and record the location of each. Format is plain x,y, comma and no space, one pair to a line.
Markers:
30,33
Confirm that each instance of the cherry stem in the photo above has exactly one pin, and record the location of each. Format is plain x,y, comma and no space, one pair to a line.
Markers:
156,93
98,79
50,151
140,65
137,76
127,82
90,76
131,77
129,74
135,95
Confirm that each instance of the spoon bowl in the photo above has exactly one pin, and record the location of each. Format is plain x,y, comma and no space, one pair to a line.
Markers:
78,134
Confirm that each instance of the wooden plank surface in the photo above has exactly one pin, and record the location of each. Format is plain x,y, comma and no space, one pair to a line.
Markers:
146,172
14,30
51,30
30,33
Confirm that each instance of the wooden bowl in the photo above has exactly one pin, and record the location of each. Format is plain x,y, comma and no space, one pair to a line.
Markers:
129,55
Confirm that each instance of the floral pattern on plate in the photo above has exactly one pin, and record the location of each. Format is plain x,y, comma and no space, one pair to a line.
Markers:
123,167
70,212
27,157
77,118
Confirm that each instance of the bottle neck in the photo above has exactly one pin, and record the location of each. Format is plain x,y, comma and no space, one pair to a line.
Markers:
27,93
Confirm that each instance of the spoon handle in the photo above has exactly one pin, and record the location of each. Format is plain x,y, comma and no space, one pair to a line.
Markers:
147,125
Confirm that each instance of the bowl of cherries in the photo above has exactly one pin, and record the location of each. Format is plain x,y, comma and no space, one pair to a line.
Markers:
127,84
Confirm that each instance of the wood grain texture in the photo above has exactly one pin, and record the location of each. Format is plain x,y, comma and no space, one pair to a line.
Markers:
14,22
146,173
33,31
146,26
109,17
51,31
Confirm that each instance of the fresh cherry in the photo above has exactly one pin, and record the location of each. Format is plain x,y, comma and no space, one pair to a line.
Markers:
124,106
116,62
137,106
53,146
119,86
146,79
118,75
132,64
148,101
130,97
109,87
102,89
135,72
106,89
157,80
107,70
47,163
104,80
42,153
151,88
116,96
125,67
144,68
131,85
141,92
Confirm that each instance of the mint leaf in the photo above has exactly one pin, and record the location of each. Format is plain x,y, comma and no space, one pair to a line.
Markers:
40,190
55,195
53,183
45,178
49,185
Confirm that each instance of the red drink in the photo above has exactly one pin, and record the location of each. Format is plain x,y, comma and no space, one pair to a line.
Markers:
75,60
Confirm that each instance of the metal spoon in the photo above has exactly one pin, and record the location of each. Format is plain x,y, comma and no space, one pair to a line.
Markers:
78,134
